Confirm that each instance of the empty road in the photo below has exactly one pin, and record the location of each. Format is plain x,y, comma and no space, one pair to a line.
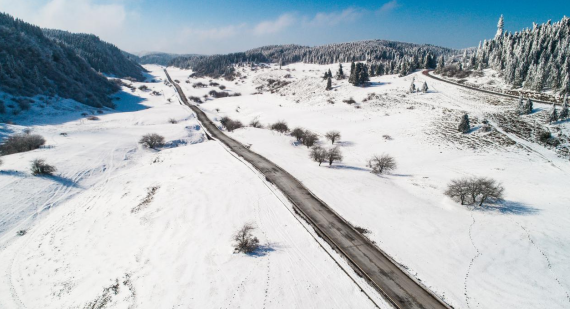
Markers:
367,259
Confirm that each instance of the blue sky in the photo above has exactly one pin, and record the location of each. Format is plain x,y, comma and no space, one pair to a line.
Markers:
215,26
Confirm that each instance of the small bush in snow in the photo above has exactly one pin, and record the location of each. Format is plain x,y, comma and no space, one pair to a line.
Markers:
244,240
333,136
92,118
21,143
382,164
233,125
143,88
173,121
21,232
349,101
255,123
280,126
222,87
474,190
298,133
195,99
218,94
152,140
40,167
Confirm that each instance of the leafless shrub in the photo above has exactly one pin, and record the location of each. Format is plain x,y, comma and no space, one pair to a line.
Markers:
309,138
195,99
244,240
40,167
349,101
255,123
280,126
233,125
387,137
92,118
474,190
333,136
21,143
173,121
382,164
152,140
318,154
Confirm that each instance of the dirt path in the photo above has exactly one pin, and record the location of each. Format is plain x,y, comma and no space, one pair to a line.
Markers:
366,259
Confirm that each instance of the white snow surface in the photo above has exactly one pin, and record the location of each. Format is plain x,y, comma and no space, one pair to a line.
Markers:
515,254
122,226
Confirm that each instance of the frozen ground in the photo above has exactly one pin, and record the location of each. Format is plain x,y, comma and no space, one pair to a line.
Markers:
511,255
120,226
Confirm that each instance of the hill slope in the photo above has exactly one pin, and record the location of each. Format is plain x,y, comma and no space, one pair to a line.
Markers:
31,64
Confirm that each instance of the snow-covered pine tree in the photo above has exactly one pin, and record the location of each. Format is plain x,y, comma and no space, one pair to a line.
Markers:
440,64
529,106
564,110
340,73
363,75
425,87
464,126
329,84
500,26
552,114
412,86
521,107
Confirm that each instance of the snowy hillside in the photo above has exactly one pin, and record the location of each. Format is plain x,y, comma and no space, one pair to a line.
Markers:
508,255
122,226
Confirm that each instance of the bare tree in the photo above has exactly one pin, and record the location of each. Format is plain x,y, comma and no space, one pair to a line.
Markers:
318,154
298,133
244,240
152,140
255,123
333,155
310,138
280,126
173,121
40,167
382,164
333,136
21,143
459,189
489,189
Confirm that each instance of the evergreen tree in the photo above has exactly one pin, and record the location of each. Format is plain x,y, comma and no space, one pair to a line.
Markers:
340,73
564,110
521,107
329,84
500,26
529,106
412,86
355,74
424,87
440,64
552,114
363,75
329,74
464,126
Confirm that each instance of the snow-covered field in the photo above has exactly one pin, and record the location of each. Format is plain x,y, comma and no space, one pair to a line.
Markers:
122,226
512,255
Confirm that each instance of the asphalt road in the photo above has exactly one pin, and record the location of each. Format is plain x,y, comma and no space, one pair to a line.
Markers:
365,258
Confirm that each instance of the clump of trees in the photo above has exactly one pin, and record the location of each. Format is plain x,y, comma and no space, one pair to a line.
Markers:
244,241
358,74
195,99
218,94
152,140
340,72
305,137
475,190
231,124
40,167
381,164
280,126
320,155
524,107
333,136
464,126
20,143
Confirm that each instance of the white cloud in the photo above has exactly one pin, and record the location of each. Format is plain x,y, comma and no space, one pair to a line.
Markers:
274,26
388,7
335,18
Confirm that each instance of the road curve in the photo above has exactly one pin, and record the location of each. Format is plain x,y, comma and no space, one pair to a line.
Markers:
426,73
366,259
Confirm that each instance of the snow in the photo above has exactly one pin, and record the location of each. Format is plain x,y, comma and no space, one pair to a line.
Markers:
511,255
91,240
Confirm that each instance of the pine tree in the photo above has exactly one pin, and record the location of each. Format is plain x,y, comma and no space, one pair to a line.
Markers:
440,64
355,74
500,26
529,106
464,126
424,87
329,74
340,73
329,84
363,75
412,86
564,110
521,107
552,114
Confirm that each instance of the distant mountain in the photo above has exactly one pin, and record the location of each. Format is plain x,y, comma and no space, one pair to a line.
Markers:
102,56
392,57
31,63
